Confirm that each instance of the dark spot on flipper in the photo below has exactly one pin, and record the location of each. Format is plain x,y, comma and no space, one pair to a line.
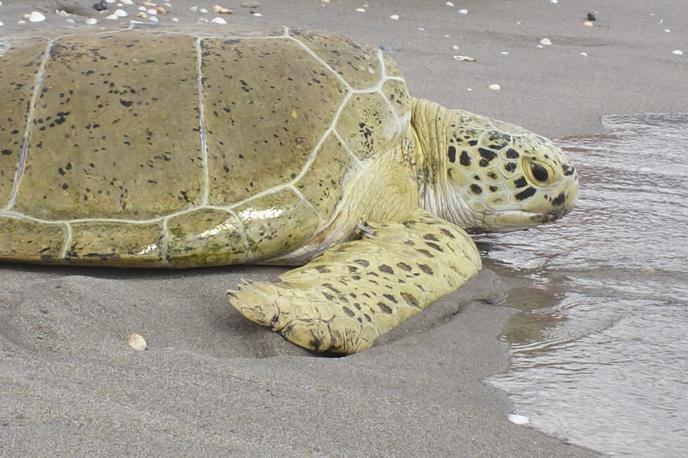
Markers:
434,246
425,252
349,312
410,299
331,288
362,262
426,268
431,237
448,233
525,194
322,269
403,266
386,269
390,298
384,307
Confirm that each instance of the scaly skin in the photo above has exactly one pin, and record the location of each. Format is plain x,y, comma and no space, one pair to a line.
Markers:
463,171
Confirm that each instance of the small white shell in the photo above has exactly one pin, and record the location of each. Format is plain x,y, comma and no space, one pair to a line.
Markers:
518,419
217,9
137,342
35,16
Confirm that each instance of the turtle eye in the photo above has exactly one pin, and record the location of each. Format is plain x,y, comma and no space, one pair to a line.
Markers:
539,172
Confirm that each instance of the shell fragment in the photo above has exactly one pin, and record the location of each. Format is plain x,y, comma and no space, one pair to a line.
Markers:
137,342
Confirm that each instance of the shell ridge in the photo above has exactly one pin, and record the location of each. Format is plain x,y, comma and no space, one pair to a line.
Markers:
322,62
68,240
316,149
242,232
346,147
308,202
24,148
383,80
203,133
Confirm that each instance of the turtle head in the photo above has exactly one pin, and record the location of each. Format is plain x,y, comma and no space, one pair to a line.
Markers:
502,177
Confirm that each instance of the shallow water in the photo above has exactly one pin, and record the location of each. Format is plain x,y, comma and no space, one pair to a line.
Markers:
600,349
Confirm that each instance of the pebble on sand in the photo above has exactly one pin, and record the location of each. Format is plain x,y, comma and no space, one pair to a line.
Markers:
35,16
546,42
463,11
450,4
464,58
217,9
589,24
677,52
120,13
91,21
218,20
361,10
495,87
518,419
100,6
137,342
394,17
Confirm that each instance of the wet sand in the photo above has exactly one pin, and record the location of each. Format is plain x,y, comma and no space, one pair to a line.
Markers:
213,383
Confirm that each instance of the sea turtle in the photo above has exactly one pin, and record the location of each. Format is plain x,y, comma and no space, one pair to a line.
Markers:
166,149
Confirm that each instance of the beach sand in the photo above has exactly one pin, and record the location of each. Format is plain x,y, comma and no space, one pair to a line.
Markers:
213,383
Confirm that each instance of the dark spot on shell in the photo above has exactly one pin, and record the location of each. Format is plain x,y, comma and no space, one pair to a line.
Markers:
403,266
362,262
431,237
349,312
476,189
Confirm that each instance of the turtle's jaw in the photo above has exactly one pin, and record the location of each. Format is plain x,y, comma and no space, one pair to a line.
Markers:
515,220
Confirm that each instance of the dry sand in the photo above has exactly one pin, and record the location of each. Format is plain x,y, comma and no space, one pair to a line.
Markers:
212,383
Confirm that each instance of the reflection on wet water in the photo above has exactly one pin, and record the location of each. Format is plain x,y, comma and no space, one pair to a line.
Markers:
600,349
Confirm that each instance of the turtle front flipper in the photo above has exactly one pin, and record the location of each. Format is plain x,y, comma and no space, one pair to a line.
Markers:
356,291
